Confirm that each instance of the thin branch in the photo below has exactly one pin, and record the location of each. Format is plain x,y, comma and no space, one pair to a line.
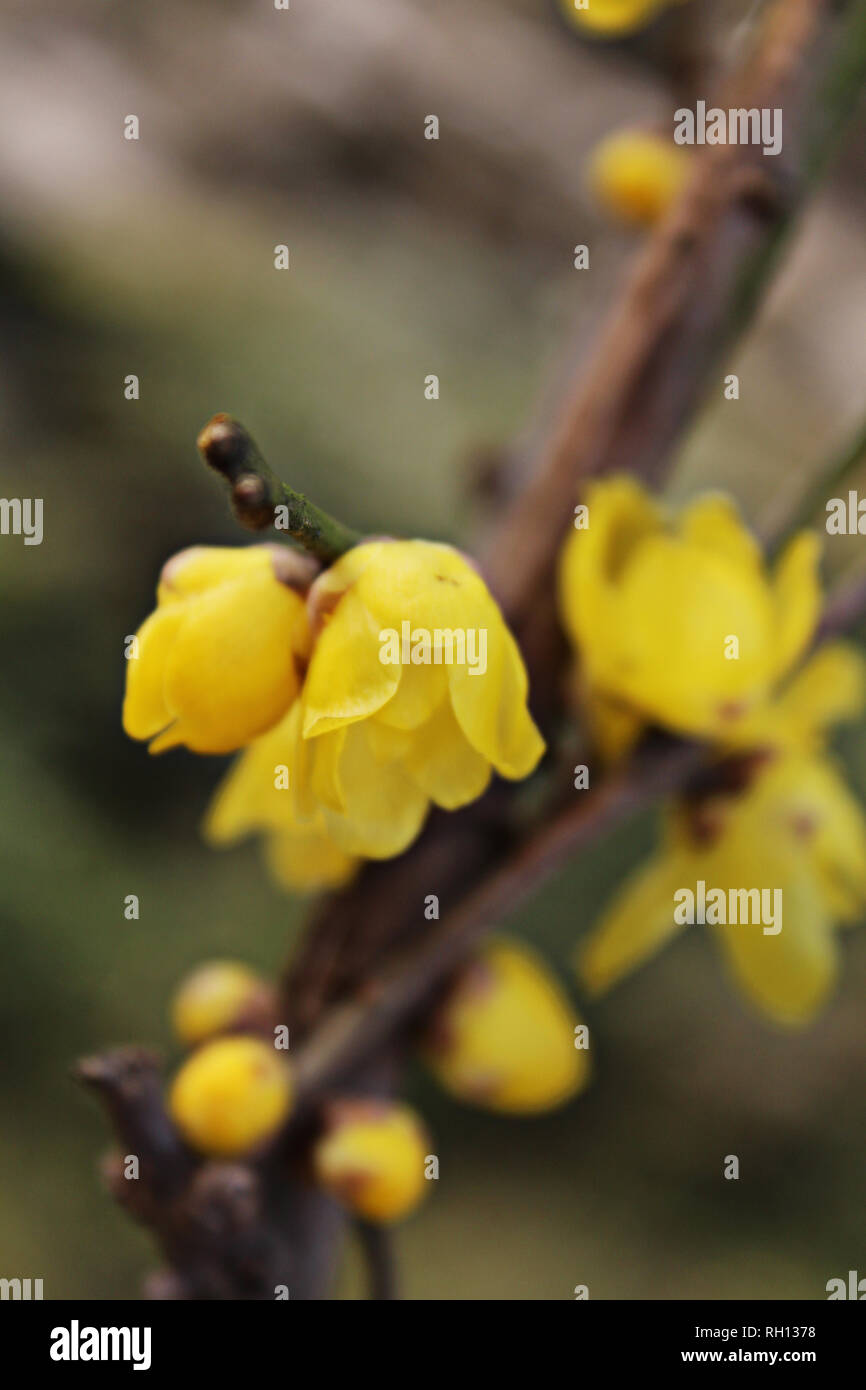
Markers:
129,1084
256,492
717,248
827,484
378,1247
351,1032
845,609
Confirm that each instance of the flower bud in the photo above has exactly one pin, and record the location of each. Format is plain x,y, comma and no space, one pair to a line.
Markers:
611,19
231,1095
371,1158
212,999
218,661
505,1036
636,175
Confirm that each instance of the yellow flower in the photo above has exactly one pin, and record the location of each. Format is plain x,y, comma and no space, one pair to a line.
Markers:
218,660
372,741
231,1095
678,623
258,795
636,175
371,1158
611,18
797,831
505,1037
212,998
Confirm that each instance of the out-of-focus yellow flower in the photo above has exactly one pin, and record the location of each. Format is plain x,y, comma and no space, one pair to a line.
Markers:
828,689
218,660
371,1158
505,1037
231,1095
305,861
372,742
259,794
636,175
678,622
611,18
212,998
797,830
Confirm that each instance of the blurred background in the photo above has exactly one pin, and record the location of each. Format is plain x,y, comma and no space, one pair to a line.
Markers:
408,257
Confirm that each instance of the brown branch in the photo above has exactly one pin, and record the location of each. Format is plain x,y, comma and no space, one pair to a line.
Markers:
845,608
378,1247
353,1031
627,408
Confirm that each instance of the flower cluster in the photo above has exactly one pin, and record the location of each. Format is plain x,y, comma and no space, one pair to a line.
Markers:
344,752
677,623
504,1038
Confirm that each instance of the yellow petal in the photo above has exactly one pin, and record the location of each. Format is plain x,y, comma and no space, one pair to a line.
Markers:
145,711
306,861
346,680
387,745
423,583
203,567
325,780
797,599
829,689
421,690
712,522
231,671
384,809
621,515
804,802
680,607
249,797
491,707
444,765
787,976
638,923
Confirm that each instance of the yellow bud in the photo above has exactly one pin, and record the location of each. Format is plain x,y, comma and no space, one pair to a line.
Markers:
636,175
211,999
610,18
231,1095
218,661
505,1038
371,1158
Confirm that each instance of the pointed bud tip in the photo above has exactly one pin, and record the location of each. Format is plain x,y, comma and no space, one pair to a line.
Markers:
223,443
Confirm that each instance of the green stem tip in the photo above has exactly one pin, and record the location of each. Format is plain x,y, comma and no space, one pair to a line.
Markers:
261,499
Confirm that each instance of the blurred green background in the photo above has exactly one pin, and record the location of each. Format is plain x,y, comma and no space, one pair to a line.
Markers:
407,257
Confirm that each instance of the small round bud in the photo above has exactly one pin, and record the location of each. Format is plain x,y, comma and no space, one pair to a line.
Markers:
611,19
636,175
371,1158
505,1036
211,999
231,1095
